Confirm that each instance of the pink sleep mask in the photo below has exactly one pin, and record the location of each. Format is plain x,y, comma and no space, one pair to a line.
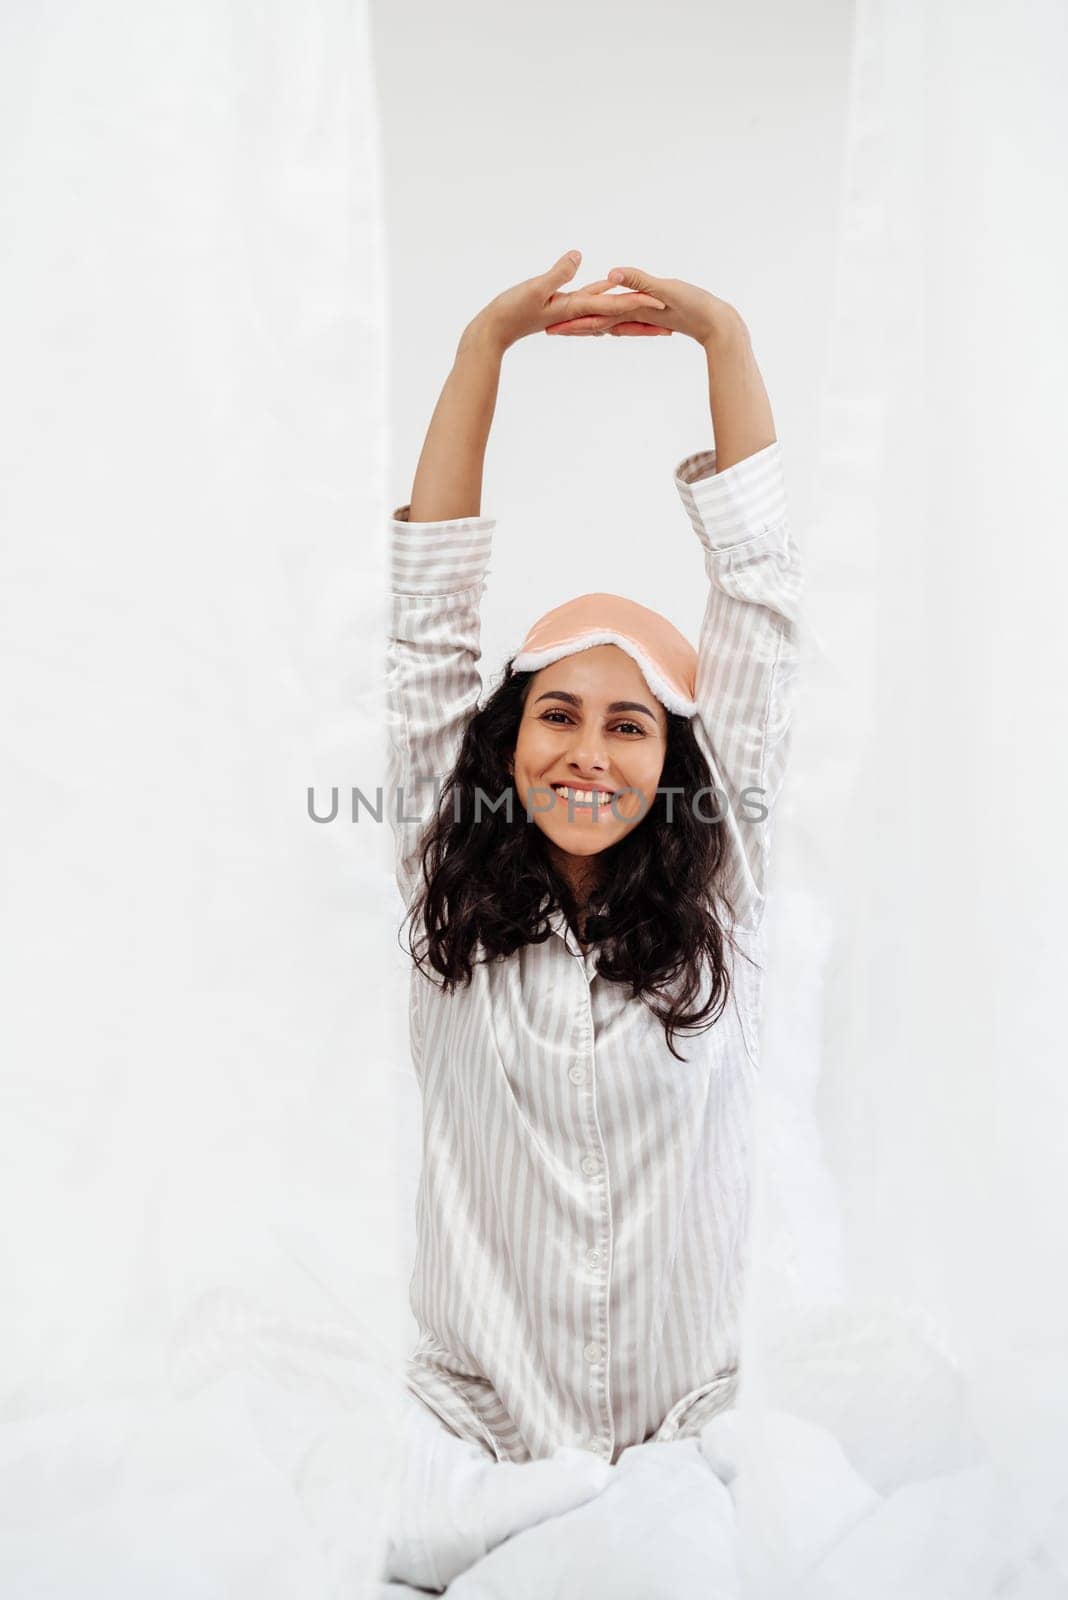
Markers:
667,659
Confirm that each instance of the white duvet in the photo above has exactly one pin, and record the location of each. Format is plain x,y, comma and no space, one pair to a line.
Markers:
898,1500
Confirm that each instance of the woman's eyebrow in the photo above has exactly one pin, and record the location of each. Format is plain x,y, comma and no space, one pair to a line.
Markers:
576,700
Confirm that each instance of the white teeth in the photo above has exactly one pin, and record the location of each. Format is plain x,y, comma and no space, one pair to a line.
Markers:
583,797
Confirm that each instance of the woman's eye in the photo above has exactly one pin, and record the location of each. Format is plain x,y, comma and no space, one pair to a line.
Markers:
620,726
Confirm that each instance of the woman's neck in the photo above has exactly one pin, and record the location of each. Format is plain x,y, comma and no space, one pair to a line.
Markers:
582,874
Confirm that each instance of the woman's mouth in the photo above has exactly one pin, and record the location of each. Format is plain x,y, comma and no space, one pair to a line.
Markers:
585,799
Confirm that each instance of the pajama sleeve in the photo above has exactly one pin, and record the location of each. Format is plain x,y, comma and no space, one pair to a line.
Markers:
437,575
747,654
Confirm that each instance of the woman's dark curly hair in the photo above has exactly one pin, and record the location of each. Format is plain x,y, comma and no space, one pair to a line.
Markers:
657,914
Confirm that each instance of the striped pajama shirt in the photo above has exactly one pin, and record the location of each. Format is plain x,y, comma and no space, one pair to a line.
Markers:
583,1202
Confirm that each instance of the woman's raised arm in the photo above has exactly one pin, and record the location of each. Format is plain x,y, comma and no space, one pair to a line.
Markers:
448,478
742,422
749,648
439,554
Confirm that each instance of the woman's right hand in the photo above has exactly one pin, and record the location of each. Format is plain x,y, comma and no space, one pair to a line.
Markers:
537,303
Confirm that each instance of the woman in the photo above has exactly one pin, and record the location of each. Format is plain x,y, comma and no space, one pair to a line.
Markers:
583,1201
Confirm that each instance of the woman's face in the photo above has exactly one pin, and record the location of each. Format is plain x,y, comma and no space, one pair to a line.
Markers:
590,722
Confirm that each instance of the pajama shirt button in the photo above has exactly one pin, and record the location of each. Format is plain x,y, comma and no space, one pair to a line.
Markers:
590,1165
577,1074
592,1352
593,1258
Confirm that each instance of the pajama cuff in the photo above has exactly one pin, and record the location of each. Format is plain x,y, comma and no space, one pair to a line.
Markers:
730,507
437,558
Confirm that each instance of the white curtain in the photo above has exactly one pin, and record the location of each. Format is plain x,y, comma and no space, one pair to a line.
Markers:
909,1289
202,1282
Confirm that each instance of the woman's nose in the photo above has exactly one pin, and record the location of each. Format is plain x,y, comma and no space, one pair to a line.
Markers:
586,754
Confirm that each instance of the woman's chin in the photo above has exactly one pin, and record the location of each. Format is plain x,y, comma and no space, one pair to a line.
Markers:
582,841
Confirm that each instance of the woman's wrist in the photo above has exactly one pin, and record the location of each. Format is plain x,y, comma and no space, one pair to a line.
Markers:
723,326
482,338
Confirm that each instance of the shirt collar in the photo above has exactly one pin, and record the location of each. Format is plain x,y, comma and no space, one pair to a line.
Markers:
559,924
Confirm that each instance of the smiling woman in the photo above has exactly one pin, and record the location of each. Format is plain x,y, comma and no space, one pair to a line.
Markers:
562,946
